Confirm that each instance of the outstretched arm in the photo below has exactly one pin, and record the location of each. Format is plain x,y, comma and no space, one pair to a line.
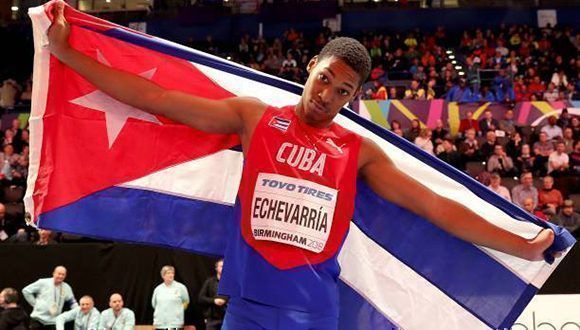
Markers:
382,176
212,116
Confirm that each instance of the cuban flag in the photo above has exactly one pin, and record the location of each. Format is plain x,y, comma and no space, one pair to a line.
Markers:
102,168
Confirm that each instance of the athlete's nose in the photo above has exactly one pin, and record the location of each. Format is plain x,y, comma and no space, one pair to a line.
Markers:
325,95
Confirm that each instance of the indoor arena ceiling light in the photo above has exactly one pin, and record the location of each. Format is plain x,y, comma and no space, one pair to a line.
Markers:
454,62
449,52
461,73
451,56
457,67
14,8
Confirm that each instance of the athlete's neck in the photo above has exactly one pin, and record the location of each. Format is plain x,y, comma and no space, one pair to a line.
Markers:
300,113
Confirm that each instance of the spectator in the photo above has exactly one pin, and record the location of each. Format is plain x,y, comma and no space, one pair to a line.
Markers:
8,93
575,159
214,303
468,123
559,162
568,218
568,140
553,131
169,301
46,305
414,92
525,190
525,161
529,206
12,317
117,317
86,316
439,133
488,147
423,141
507,124
469,148
459,93
496,187
551,94
395,124
537,88
21,237
549,197
514,146
500,162
448,153
414,131
45,237
542,148
488,123
564,119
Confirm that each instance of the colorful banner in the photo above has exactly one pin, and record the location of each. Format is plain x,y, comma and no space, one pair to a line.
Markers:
428,112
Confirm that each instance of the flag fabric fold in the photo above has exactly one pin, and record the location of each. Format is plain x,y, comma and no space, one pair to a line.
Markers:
102,168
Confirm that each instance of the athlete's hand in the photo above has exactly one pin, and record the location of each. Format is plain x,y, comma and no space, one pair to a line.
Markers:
539,244
219,301
59,31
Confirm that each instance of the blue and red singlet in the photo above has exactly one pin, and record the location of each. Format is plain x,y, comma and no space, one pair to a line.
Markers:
295,203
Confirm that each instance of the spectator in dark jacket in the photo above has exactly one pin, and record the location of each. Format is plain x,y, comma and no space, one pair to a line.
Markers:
13,317
215,305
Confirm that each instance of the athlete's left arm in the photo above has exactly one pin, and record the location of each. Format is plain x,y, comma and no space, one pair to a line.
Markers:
385,179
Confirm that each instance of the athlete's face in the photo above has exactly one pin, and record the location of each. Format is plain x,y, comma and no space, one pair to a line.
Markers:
331,84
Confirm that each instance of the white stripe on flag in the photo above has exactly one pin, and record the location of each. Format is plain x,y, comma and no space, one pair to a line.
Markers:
396,290
214,178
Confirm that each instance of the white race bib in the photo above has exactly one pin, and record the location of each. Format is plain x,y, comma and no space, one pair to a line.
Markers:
292,211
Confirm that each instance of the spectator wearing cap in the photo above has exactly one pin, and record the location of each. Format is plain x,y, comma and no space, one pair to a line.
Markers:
568,218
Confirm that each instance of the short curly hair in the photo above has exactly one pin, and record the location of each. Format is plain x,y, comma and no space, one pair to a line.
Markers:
352,52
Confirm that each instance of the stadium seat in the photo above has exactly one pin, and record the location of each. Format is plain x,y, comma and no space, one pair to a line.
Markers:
474,168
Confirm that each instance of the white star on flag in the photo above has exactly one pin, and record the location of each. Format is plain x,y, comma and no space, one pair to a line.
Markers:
116,113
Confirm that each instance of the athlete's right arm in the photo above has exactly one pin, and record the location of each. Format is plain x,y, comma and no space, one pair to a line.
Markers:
212,116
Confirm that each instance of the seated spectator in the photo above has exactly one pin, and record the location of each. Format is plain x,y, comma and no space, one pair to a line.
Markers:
568,218
8,92
85,316
575,126
469,148
495,186
12,316
575,159
431,89
537,88
564,119
468,123
514,146
415,92
459,93
485,95
507,124
503,88
551,94
559,162
542,148
525,161
21,237
529,206
500,162
117,317
412,133
439,133
395,124
488,123
525,190
45,237
448,153
488,147
423,141
549,197
568,140
553,131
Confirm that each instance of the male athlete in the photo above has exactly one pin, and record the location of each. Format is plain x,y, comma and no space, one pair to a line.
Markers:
296,198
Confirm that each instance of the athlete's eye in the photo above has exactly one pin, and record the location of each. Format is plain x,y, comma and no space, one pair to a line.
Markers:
344,92
323,78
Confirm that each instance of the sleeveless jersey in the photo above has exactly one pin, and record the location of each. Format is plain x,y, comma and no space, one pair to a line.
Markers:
294,207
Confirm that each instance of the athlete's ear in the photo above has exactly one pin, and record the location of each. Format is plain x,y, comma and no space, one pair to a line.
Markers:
312,63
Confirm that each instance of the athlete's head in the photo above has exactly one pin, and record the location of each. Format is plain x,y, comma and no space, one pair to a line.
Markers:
335,77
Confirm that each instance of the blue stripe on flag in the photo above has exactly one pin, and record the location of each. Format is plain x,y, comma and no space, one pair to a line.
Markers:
462,271
364,316
134,219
